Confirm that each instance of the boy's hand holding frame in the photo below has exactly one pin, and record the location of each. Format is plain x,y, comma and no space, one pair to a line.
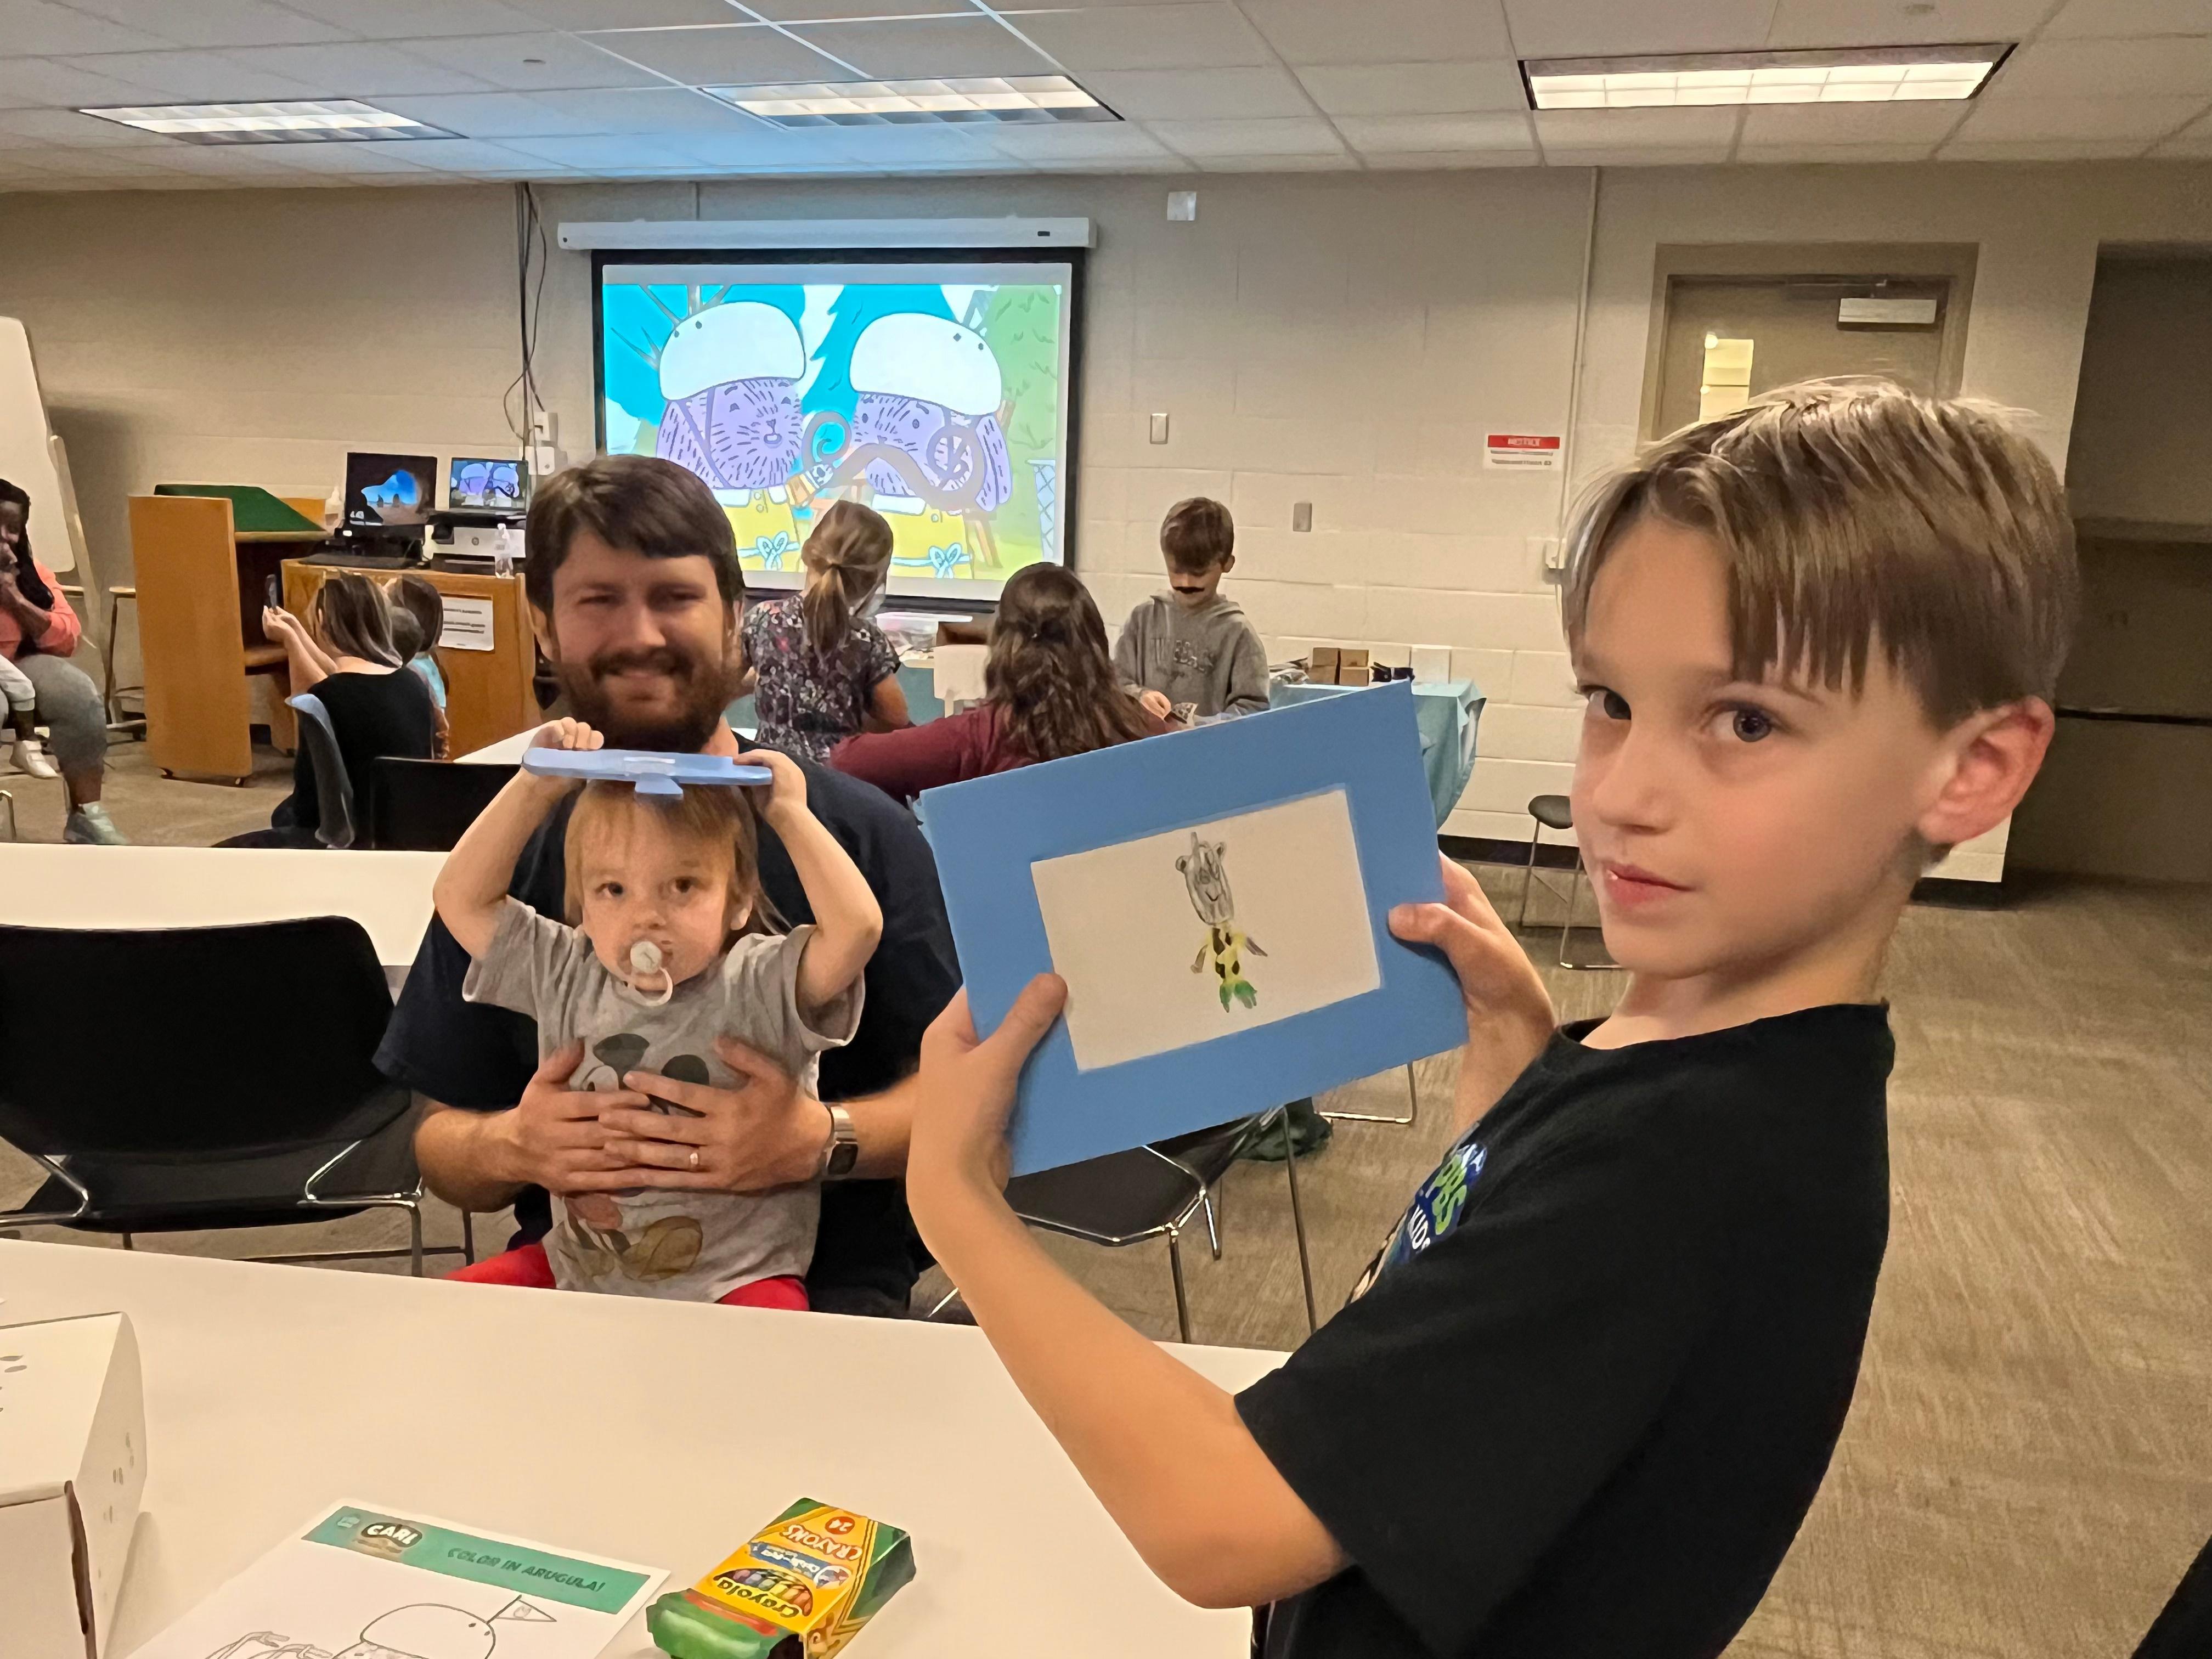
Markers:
1162,1448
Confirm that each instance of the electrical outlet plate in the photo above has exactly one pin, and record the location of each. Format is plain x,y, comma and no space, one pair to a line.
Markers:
1159,428
1182,206
1302,515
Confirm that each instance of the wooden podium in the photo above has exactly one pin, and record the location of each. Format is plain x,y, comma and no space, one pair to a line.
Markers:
489,691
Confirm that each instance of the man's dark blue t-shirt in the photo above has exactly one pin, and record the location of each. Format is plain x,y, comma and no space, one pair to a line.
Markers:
481,1058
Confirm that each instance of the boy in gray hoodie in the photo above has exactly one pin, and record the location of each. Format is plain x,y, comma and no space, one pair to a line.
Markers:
1188,652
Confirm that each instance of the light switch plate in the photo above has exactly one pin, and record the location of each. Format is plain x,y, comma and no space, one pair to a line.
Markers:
1182,206
1159,428
1302,515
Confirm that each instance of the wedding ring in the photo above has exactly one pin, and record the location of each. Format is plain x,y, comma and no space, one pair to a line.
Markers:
694,1157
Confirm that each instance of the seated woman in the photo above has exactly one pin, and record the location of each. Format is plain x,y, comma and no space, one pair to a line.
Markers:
345,655
819,667
1051,692
38,633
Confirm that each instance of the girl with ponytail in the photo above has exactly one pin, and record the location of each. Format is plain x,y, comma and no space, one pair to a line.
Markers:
1051,692
819,668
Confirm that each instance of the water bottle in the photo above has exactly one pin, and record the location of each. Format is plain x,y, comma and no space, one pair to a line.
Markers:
502,551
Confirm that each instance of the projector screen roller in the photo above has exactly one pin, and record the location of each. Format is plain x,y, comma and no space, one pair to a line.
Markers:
936,390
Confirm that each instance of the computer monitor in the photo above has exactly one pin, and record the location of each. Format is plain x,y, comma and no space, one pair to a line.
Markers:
390,492
486,483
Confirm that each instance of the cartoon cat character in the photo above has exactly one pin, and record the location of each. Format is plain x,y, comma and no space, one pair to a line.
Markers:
1208,878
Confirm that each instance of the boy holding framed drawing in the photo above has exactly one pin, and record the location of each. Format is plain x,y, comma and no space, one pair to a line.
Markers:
1584,1397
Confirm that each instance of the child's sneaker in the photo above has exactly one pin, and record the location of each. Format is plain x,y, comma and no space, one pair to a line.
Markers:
88,825
31,755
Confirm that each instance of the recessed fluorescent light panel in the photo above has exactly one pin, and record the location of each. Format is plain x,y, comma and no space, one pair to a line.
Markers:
1876,75
1022,100
332,120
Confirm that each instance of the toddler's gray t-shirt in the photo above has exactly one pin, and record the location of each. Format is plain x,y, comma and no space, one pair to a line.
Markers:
676,1245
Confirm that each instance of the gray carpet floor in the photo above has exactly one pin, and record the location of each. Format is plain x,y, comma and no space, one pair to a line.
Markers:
2028,1464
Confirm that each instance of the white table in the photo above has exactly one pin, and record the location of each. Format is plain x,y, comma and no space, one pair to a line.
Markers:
659,1432
43,885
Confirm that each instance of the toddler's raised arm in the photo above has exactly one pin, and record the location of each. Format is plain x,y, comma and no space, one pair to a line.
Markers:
473,880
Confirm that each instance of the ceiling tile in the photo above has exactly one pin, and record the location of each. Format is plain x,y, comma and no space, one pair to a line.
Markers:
472,156
2106,69
109,163
2076,149
1850,123
67,128
1416,88
728,56
1343,161
820,11
1382,31
594,153
1826,23
757,144
1621,129
215,22
408,20
1418,160
1824,152
49,83
1146,37
2024,119
1656,155
1235,94
1569,28
2119,17
530,62
1081,141
40,28
197,77
505,115
1379,134
1292,136
357,68
665,112
918,145
636,14
355,160
910,49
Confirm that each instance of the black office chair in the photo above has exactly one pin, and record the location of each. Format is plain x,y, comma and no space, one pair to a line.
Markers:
247,1096
334,804
2183,1629
424,806
1154,1191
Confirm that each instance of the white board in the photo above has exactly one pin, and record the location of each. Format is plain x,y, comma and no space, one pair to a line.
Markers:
26,457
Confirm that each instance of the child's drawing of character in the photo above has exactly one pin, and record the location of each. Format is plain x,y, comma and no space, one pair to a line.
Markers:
1208,878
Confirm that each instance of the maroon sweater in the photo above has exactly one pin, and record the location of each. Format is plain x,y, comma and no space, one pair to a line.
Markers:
972,744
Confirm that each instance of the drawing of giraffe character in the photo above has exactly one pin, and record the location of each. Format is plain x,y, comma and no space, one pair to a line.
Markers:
1205,875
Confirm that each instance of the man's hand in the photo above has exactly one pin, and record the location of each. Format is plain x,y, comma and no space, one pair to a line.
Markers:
965,1091
767,1131
554,1137
1509,1011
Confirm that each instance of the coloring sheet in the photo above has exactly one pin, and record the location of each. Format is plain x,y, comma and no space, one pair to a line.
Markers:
1177,938
360,1583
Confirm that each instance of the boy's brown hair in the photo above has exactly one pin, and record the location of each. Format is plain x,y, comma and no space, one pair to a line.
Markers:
1855,516
1197,534
710,817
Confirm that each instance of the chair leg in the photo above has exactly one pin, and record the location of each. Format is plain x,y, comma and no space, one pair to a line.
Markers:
1182,1296
1298,1227
468,1238
8,800
1566,927
127,1244
1412,1106
1212,1228
415,1239
1528,876
944,1302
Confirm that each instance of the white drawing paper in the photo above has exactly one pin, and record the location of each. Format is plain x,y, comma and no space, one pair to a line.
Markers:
1179,938
362,1582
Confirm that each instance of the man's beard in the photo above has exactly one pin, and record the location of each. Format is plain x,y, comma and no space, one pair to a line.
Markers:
702,693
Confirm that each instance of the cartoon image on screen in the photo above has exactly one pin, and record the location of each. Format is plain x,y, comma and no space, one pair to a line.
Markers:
484,484
939,404
389,492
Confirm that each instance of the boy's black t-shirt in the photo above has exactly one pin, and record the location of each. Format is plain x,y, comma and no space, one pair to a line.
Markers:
474,1056
1594,1383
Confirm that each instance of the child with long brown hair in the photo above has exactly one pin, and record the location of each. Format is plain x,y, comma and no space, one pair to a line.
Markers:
819,668
1051,691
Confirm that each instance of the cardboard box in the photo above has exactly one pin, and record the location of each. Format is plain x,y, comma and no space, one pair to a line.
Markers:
1338,664
72,1467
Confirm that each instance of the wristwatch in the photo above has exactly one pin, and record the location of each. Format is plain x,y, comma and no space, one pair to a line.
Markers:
843,1150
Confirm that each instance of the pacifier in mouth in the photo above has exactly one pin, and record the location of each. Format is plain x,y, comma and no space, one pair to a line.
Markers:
645,961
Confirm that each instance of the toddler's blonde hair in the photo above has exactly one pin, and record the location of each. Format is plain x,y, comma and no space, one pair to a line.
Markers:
719,819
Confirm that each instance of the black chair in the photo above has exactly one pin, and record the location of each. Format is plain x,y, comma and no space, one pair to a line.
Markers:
1555,812
1154,1191
424,806
248,1096
2183,1629
333,789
